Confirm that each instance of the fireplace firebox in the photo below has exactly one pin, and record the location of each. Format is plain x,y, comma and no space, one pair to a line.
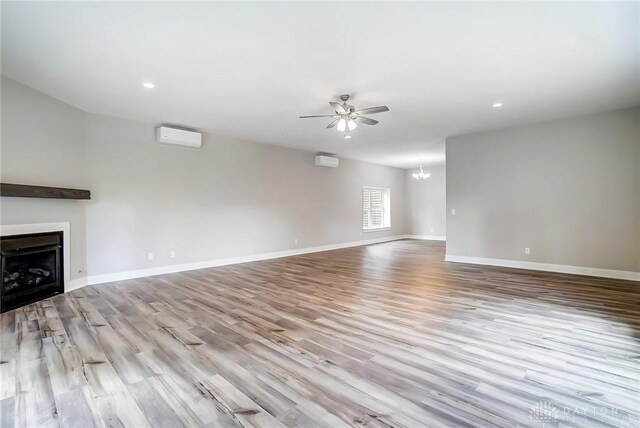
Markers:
32,268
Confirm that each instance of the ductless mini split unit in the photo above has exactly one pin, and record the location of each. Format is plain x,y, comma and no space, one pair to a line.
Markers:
178,137
328,161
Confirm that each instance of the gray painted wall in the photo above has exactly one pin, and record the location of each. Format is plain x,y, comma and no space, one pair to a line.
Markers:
568,189
229,198
43,143
426,208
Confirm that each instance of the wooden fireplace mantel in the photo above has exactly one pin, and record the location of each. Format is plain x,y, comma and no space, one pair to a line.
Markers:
28,191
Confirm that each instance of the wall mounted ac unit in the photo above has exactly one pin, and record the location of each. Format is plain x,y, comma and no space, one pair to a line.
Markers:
178,137
329,161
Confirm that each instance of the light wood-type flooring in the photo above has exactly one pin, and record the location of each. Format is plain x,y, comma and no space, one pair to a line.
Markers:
386,335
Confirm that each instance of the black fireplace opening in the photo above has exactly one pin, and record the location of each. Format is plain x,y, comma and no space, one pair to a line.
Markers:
32,268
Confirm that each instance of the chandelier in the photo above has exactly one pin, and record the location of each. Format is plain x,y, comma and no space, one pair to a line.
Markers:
421,175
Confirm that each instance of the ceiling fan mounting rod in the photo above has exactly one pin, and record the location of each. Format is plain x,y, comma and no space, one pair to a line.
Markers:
345,97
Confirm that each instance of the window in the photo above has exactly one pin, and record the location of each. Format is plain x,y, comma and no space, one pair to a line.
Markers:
376,208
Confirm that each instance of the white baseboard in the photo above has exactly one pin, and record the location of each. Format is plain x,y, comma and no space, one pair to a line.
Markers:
547,267
427,237
160,270
74,284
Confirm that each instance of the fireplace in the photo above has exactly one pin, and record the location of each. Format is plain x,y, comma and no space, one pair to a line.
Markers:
32,268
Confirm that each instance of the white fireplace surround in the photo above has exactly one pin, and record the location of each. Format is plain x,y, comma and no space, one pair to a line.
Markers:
20,229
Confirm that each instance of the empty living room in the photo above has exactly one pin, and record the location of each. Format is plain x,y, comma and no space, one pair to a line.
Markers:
320,214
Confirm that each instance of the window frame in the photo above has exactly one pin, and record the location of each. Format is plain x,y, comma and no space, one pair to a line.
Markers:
386,209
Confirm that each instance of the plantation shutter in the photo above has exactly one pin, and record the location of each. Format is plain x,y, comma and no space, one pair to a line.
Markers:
376,203
365,208
373,208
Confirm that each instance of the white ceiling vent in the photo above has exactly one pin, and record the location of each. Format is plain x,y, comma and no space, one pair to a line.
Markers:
178,137
329,161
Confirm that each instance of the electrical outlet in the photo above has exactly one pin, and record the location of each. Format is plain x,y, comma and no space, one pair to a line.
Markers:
453,211
295,241
527,250
172,254
431,230
150,256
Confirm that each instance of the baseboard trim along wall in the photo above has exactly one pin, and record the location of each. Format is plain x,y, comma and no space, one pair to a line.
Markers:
74,284
547,267
160,270
427,237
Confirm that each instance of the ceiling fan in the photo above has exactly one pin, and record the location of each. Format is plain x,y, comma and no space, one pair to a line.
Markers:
346,116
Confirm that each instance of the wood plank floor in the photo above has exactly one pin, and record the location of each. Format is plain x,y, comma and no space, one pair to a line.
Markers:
378,336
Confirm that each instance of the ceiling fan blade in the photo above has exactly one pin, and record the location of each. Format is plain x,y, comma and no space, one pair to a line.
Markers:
338,107
333,124
365,120
373,110
323,115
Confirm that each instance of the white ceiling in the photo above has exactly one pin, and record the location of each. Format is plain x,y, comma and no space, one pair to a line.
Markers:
248,70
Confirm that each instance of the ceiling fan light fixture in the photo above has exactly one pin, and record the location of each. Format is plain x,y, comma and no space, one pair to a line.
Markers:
345,116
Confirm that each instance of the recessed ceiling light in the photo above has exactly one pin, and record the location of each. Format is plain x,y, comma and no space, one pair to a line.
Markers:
148,85
496,105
